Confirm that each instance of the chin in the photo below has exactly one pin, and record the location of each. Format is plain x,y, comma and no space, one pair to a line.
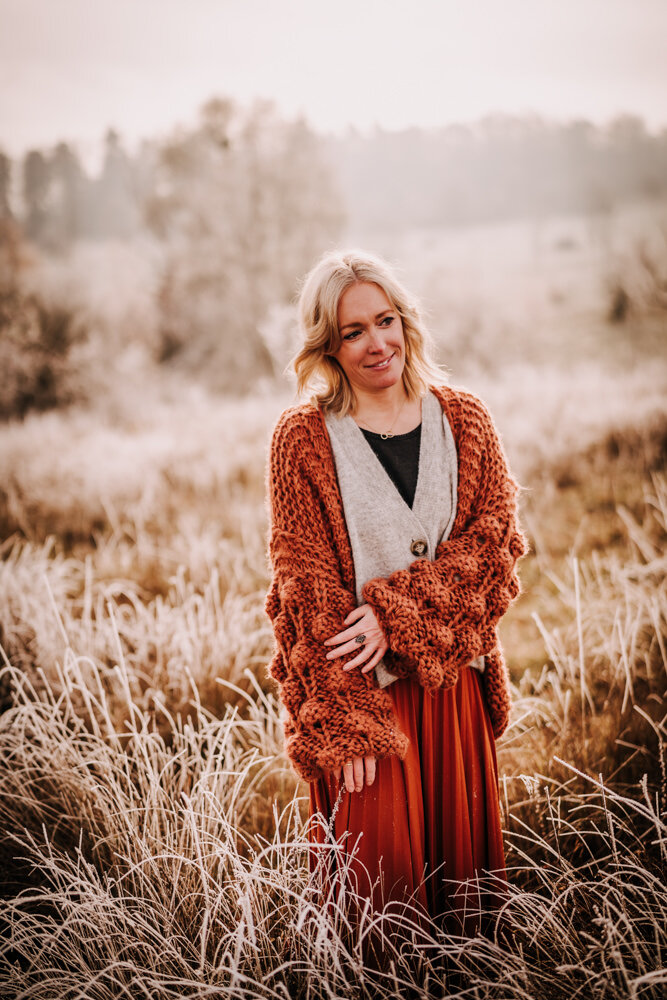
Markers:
393,374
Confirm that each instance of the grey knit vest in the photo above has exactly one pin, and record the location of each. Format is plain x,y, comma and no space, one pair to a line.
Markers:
385,534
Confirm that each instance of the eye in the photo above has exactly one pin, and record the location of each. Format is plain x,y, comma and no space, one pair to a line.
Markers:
352,335
387,321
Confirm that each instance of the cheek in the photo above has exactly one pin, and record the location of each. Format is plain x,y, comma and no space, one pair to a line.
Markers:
397,331
345,356
348,354
400,339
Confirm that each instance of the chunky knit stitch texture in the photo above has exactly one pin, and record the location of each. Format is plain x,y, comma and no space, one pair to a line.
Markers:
437,615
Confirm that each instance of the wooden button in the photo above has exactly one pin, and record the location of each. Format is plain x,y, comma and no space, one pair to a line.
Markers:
419,547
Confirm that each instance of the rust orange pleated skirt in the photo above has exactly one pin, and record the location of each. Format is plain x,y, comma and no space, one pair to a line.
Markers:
428,829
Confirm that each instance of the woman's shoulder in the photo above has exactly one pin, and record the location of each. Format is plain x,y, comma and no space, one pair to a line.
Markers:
462,406
297,426
299,416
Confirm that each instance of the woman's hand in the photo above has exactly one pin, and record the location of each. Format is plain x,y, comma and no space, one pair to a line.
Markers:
353,774
362,622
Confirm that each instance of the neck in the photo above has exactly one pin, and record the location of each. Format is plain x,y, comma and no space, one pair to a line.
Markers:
383,403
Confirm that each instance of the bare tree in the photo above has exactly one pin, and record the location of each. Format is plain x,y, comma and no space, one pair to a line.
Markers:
5,184
36,183
243,202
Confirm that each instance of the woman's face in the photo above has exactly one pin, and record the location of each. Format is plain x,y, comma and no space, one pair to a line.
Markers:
372,349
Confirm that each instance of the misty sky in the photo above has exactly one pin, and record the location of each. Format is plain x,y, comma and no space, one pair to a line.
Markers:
71,68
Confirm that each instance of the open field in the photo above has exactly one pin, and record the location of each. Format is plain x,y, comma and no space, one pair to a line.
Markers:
153,837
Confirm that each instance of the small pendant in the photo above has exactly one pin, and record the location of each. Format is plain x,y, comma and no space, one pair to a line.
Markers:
385,436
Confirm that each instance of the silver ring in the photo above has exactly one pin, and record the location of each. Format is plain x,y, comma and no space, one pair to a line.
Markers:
361,639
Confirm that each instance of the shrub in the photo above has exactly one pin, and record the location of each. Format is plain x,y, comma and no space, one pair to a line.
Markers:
37,340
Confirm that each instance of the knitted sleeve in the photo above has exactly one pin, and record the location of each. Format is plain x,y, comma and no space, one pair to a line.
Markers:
438,615
331,715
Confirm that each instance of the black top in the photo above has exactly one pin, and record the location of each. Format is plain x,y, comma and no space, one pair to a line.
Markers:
400,457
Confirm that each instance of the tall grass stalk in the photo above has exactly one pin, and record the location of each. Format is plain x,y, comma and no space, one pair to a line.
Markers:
161,841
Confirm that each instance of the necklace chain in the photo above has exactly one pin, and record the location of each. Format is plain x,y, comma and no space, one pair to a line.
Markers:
388,434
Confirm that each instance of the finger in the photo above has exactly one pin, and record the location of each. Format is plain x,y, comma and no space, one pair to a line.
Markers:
353,647
370,769
358,769
355,614
374,660
348,775
345,636
354,617
361,624
336,772
364,653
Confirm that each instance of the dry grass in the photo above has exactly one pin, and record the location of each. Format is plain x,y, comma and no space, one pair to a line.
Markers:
163,836
153,840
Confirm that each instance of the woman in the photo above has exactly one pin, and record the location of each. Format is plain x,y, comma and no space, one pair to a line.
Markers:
393,543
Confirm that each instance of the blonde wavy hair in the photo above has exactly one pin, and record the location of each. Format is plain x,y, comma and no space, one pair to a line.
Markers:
315,367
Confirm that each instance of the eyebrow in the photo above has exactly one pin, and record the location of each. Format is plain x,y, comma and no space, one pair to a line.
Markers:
377,316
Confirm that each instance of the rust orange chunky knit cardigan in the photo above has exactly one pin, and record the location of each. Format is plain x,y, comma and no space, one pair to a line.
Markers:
437,615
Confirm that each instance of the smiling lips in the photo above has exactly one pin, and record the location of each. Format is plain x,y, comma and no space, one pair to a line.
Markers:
381,364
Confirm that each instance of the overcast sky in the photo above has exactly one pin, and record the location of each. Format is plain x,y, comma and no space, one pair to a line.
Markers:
71,68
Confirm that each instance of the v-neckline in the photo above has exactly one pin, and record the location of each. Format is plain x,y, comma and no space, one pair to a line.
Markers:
379,467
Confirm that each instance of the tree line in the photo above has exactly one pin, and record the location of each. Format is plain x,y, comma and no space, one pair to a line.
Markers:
56,201
501,167
240,203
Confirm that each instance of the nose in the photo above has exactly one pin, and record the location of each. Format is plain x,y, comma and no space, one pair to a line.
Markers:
376,341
